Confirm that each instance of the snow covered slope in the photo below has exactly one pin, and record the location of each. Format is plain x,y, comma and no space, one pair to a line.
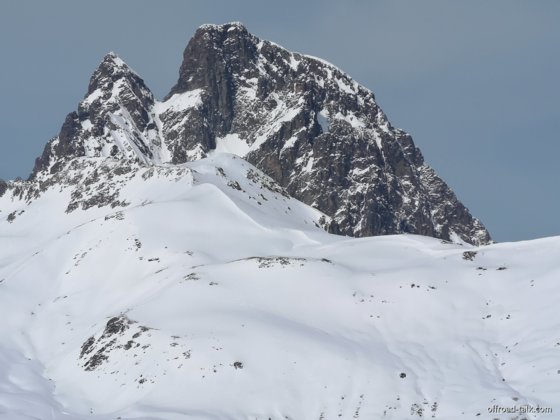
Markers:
203,291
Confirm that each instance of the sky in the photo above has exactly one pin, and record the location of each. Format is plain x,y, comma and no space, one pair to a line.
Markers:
476,83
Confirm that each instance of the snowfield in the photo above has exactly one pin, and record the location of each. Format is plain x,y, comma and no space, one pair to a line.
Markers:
203,291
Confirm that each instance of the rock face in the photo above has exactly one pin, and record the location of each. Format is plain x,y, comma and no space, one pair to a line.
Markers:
301,120
115,119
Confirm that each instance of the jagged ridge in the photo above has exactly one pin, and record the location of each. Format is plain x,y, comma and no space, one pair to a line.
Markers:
301,120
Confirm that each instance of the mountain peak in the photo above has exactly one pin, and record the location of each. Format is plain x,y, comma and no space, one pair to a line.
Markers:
111,69
212,54
111,55
112,120
302,121
225,27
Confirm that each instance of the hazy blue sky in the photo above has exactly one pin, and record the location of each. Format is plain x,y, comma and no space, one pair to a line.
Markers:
475,82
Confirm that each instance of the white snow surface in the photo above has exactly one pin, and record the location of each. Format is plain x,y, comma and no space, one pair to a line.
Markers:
235,305
231,143
180,102
323,120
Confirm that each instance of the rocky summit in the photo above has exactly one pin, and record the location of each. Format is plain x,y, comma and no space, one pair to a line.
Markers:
305,123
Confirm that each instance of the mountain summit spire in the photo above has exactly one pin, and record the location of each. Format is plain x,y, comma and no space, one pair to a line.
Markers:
111,69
